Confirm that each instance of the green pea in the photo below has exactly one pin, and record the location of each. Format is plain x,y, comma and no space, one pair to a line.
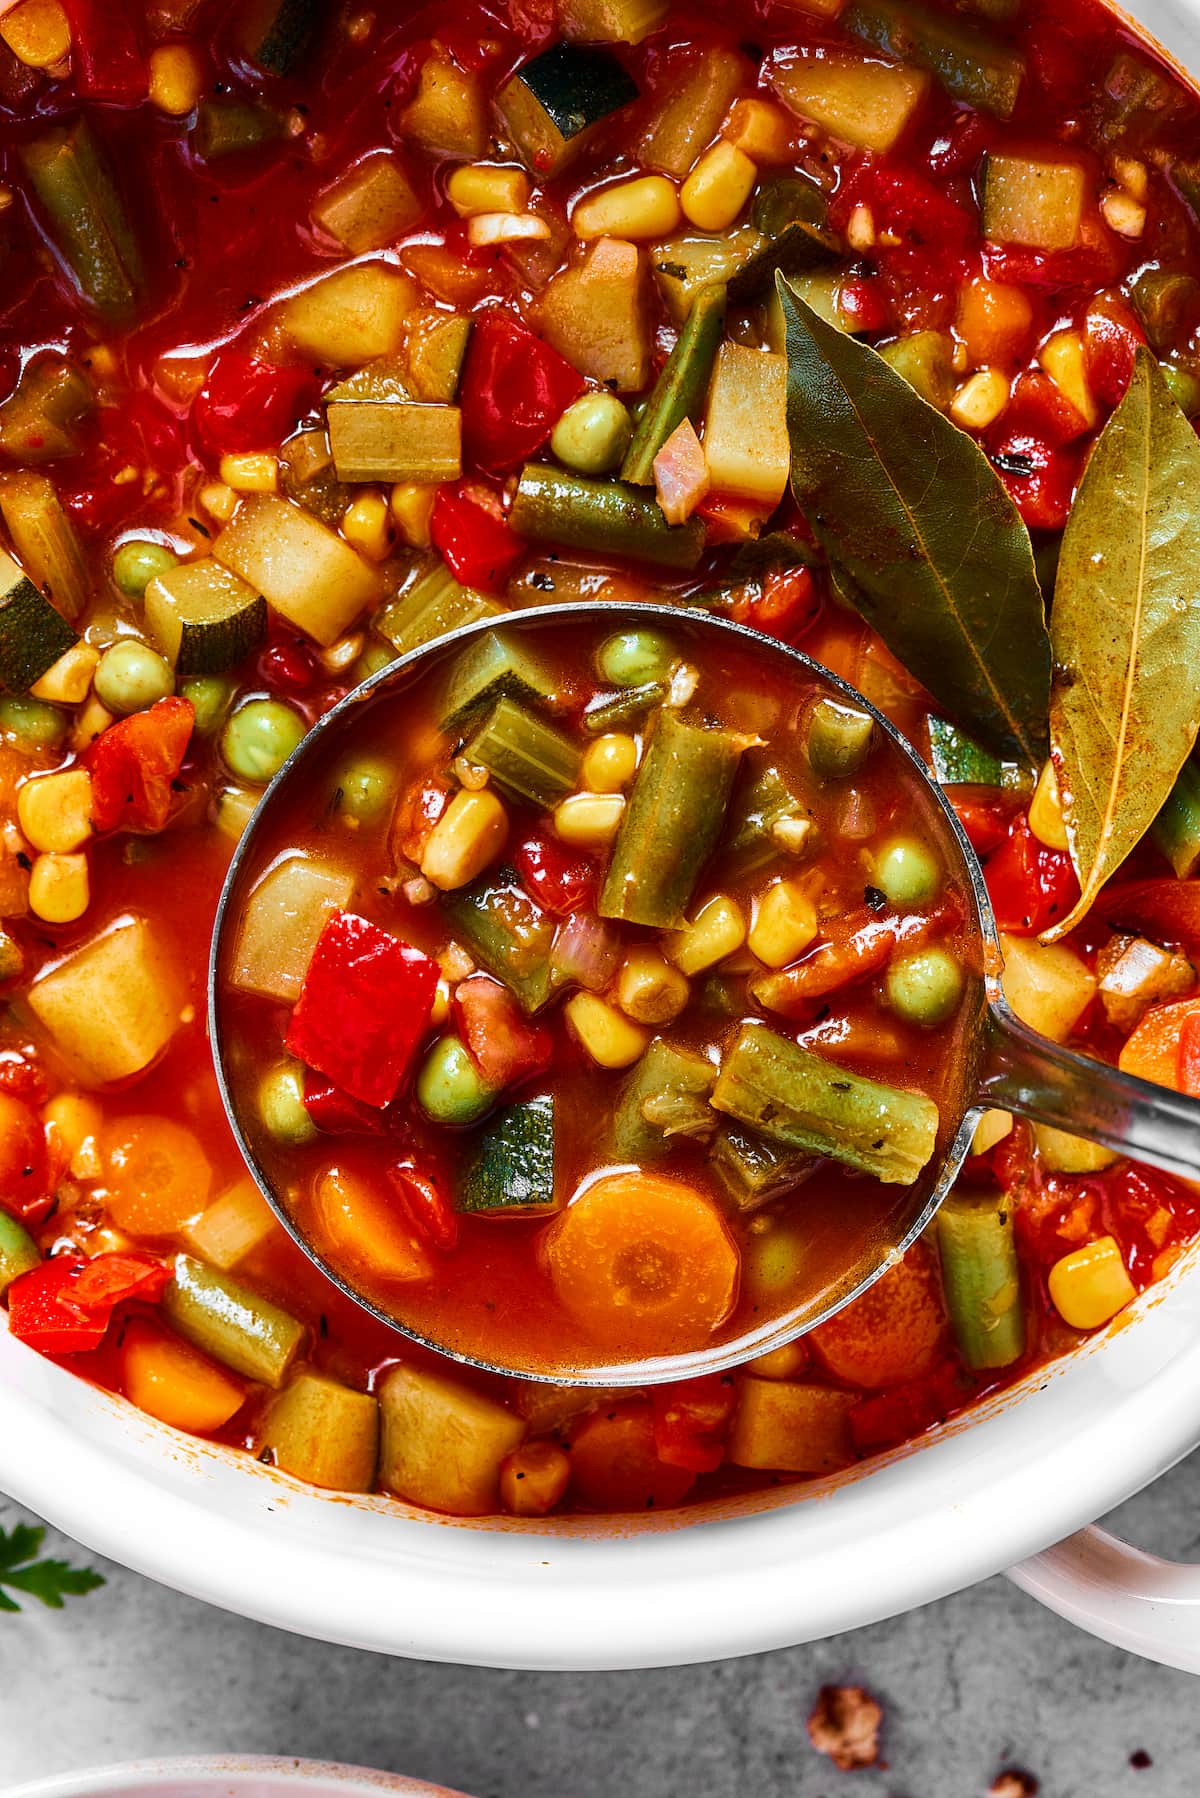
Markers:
373,660
131,677
907,873
364,789
33,723
924,988
212,696
259,738
450,1089
838,739
1184,385
137,562
632,658
19,1253
593,434
281,1104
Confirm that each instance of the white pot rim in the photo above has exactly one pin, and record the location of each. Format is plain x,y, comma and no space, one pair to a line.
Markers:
229,1776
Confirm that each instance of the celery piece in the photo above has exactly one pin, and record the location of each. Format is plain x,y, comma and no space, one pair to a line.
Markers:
38,419
85,217
609,517
434,604
681,386
231,1322
228,127
44,538
981,1277
507,931
973,67
752,1169
609,709
19,1253
324,1432
395,440
33,633
513,1173
1176,830
799,1099
496,666
307,476
665,1096
526,757
671,824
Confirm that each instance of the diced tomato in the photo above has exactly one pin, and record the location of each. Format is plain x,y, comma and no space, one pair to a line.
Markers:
363,1009
1146,1211
513,390
139,434
135,763
477,544
249,404
427,1203
1111,338
1038,409
890,1418
854,946
906,204
691,1421
504,1046
1167,910
106,57
1030,886
65,1306
985,818
559,881
1095,261
1189,1056
864,303
335,1112
785,605
731,520
957,149
1029,449
24,1159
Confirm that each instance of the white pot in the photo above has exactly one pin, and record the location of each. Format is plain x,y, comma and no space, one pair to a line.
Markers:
777,1569
230,1776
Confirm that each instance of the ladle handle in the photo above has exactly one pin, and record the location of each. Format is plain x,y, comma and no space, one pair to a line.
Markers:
1035,1078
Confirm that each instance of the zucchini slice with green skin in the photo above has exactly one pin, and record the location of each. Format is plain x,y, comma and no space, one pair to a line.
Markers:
496,666
610,517
752,1169
395,440
681,386
526,757
798,1099
232,1323
276,35
19,1253
958,760
1176,830
508,932
555,100
971,66
513,1174
203,617
86,219
665,1097
981,1277
44,538
324,1433
227,127
33,633
433,606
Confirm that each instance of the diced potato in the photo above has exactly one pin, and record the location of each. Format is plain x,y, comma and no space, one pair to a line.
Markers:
1033,200
351,316
594,313
689,114
1047,985
307,573
113,1004
448,116
791,1428
868,104
443,1443
281,921
324,1433
610,21
745,428
368,207
232,1227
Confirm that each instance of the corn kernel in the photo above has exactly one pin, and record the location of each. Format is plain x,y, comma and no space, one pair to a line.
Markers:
73,1121
589,820
1045,811
412,509
860,228
55,810
717,930
365,526
59,890
219,501
1062,358
781,1363
478,187
68,681
441,1003
718,187
250,473
993,1127
980,400
785,923
37,32
470,833
609,763
1122,213
645,207
343,654
649,989
176,79
91,722
1062,1153
606,1034
1090,1285
759,130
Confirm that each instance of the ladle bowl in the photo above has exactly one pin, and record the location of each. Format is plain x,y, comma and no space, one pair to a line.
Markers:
1006,1064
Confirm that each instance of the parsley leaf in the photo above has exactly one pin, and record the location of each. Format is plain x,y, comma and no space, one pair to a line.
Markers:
23,1569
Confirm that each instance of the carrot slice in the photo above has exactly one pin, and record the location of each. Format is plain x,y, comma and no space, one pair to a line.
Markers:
645,1262
174,1382
893,1332
369,1226
614,1466
156,1175
1152,1050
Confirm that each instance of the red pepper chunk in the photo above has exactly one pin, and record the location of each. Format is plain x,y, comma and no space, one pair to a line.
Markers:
559,881
1030,886
64,1307
477,545
514,389
335,1112
247,404
363,1008
427,1203
503,1046
106,58
135,763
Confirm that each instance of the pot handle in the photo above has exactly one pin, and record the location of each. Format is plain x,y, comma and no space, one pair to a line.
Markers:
1126,1597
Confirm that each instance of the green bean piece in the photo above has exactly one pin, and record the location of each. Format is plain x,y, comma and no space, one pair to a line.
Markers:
86,217
769,819
924,988
609,517
281,1105
324,1433
593,433
788,200
496,666
981,1278
752,1169
131,677
1176,830
973,67
212,696
609,709
449,1088
232,1323
664,1099
526,757
19,1253
838,739
227,127
634,658
137,562
32,723
803,1101
671,823
681,386
507,931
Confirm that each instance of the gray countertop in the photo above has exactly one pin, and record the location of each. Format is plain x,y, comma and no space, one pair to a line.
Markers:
981,1681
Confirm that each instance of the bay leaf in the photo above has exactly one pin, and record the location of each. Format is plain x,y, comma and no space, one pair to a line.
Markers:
909,508
1125,705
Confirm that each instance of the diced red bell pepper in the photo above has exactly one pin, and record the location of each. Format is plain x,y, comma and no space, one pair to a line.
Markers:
477,544
106,57
1134,1199
1030,886
957,149
1040,410
887,1419
249,404
691,1421
135,763
785,606
1031,450
65,1306
864,302
504,1047
1111,338
559,881
907,204
363,1009
335,1112
985,819
1167,910
427,1203
514,388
